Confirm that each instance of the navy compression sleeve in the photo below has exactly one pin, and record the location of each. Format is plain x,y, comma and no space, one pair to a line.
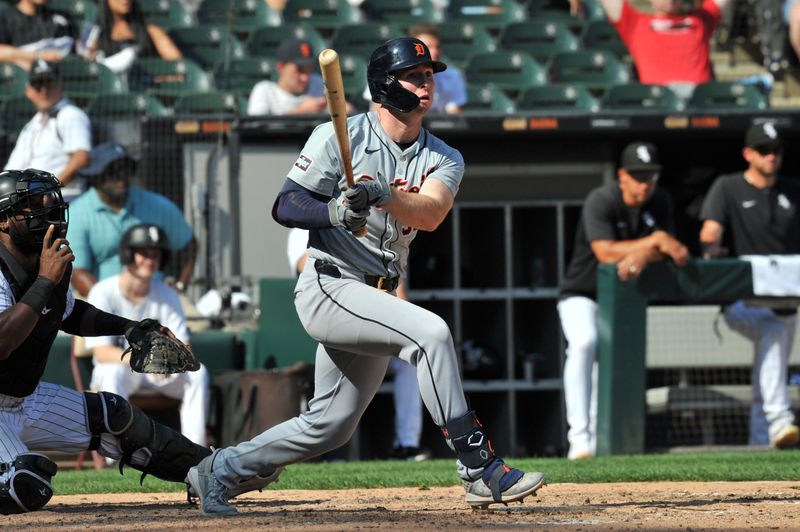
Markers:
299,207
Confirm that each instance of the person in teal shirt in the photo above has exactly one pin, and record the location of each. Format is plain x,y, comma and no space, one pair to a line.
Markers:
100,216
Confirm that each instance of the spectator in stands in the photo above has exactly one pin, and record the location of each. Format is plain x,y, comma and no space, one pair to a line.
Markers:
299,88
121,35
791,15
407,399
113,204
451,91
135,294
31,31
629,223
58,137
757,212
669,47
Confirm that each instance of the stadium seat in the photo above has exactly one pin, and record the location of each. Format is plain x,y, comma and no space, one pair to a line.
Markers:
510,71
601,35
264,42
207,45
404,13
491,14
12,80
80,11
15,112
637,97
166,79
83,80
487,98
354,77
557,98
541,39
727,95
361,39
323,15
210,102
575,24
124,106
458,41
596,70
240,75
167,14
591,10
244,16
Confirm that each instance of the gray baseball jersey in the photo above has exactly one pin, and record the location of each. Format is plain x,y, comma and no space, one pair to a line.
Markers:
384,251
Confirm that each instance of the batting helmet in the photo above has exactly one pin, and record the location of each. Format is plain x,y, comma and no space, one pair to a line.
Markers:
388,58
35,195
140,237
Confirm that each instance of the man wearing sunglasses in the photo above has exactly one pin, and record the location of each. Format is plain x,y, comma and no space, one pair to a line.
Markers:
58,137
755,212
628,223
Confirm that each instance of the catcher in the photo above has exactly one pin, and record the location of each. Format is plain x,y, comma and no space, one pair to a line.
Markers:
136,294
35,303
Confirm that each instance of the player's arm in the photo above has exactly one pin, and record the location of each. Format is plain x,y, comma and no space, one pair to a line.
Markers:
83,281
660,242
711,239
87,320
423,210
77,160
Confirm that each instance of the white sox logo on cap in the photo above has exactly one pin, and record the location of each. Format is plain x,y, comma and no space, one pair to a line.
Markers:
769,130
643,154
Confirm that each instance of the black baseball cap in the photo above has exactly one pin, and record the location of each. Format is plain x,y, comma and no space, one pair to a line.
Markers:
42,71
297,51
103,155
765,134
640,157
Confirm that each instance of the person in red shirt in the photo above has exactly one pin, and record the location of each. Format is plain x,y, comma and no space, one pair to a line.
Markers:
670,46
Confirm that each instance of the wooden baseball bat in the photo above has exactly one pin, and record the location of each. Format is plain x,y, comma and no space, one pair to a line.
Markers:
334,94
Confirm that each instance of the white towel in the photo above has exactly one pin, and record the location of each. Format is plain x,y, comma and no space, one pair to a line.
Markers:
775,275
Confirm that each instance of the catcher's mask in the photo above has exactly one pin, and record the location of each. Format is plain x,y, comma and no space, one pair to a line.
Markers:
35,196
143,236
388,58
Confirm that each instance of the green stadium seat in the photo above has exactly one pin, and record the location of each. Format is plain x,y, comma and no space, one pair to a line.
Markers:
487,98
541,39
508,70
15,112
83,80
323,15
354,77
591,10
12,80
557,98
575,24
596,70
361,39
210,102
264,42
166,79
638,97
602,35
167,14
124,107
458,41
492,14
207,45
244,16
240,75
404,13
80,11
727,95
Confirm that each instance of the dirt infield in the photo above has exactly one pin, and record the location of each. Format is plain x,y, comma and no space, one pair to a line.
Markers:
634,506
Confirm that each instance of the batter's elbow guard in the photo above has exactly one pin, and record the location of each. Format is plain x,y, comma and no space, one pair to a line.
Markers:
469,441
167,453
27,487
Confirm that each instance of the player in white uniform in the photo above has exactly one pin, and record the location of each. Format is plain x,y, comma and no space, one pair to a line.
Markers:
344,298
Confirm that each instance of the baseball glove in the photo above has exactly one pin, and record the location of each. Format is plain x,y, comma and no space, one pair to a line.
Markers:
154,349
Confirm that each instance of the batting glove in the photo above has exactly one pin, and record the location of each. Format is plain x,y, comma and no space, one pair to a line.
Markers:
367,192
343,215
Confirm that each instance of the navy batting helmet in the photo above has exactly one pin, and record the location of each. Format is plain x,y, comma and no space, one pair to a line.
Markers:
35,195
140,237
388,58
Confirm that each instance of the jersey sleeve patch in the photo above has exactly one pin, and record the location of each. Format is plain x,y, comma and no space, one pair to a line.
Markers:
303,163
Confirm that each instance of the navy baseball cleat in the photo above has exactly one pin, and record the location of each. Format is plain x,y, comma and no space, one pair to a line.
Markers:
213,494
501,484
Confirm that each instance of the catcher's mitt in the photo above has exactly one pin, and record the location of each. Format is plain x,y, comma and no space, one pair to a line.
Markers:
154,349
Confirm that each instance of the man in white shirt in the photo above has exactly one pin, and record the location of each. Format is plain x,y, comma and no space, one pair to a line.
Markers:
58,137
299,89
135,292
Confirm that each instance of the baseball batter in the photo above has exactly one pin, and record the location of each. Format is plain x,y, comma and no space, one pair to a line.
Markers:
35,303
345,295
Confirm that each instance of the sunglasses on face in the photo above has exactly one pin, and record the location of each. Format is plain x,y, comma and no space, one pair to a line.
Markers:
645,176
769,150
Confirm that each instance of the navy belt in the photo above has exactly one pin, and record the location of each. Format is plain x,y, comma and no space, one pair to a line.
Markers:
387,284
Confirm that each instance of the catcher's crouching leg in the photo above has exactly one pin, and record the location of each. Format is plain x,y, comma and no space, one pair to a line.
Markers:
27,487
159,450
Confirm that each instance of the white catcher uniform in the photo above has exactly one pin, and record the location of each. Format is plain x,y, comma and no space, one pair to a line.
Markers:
359,328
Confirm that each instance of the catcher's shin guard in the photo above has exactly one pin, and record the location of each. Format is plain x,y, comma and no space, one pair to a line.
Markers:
168,454
28,486
466,437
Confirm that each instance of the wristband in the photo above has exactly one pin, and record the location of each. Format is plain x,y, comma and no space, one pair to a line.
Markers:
38,294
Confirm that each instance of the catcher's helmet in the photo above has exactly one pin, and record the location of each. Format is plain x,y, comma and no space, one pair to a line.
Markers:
35,195
387,59
143,236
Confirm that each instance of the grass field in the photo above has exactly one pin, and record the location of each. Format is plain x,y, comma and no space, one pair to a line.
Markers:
738,466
